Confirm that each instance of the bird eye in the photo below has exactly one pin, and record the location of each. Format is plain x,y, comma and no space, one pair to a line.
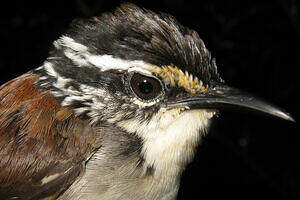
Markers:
145,87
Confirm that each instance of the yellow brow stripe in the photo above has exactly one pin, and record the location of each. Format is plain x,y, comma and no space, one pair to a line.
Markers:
177,77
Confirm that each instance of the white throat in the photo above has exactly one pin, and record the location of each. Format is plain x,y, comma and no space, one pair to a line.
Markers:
170,138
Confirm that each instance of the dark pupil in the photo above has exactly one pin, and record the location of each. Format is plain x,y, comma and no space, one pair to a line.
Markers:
145,87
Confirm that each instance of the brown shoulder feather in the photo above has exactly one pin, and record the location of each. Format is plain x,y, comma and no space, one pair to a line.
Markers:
43,146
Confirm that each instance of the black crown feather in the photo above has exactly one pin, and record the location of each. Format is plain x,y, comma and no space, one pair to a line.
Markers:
134,33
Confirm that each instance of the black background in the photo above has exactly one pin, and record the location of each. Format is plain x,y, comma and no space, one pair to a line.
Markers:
256,44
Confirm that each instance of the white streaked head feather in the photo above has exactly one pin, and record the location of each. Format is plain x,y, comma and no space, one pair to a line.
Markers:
70,43
49,69
81,56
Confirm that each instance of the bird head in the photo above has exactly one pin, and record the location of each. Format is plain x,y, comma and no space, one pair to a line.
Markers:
146,74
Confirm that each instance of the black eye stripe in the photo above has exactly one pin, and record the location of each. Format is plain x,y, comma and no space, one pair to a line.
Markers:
145,87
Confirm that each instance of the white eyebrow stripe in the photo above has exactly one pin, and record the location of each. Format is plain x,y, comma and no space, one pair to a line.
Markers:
139,69
108,62
81,56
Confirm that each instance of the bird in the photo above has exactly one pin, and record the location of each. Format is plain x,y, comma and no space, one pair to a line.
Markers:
116,110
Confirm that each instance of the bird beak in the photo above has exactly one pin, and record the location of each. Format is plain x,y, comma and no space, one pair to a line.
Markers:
225,97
